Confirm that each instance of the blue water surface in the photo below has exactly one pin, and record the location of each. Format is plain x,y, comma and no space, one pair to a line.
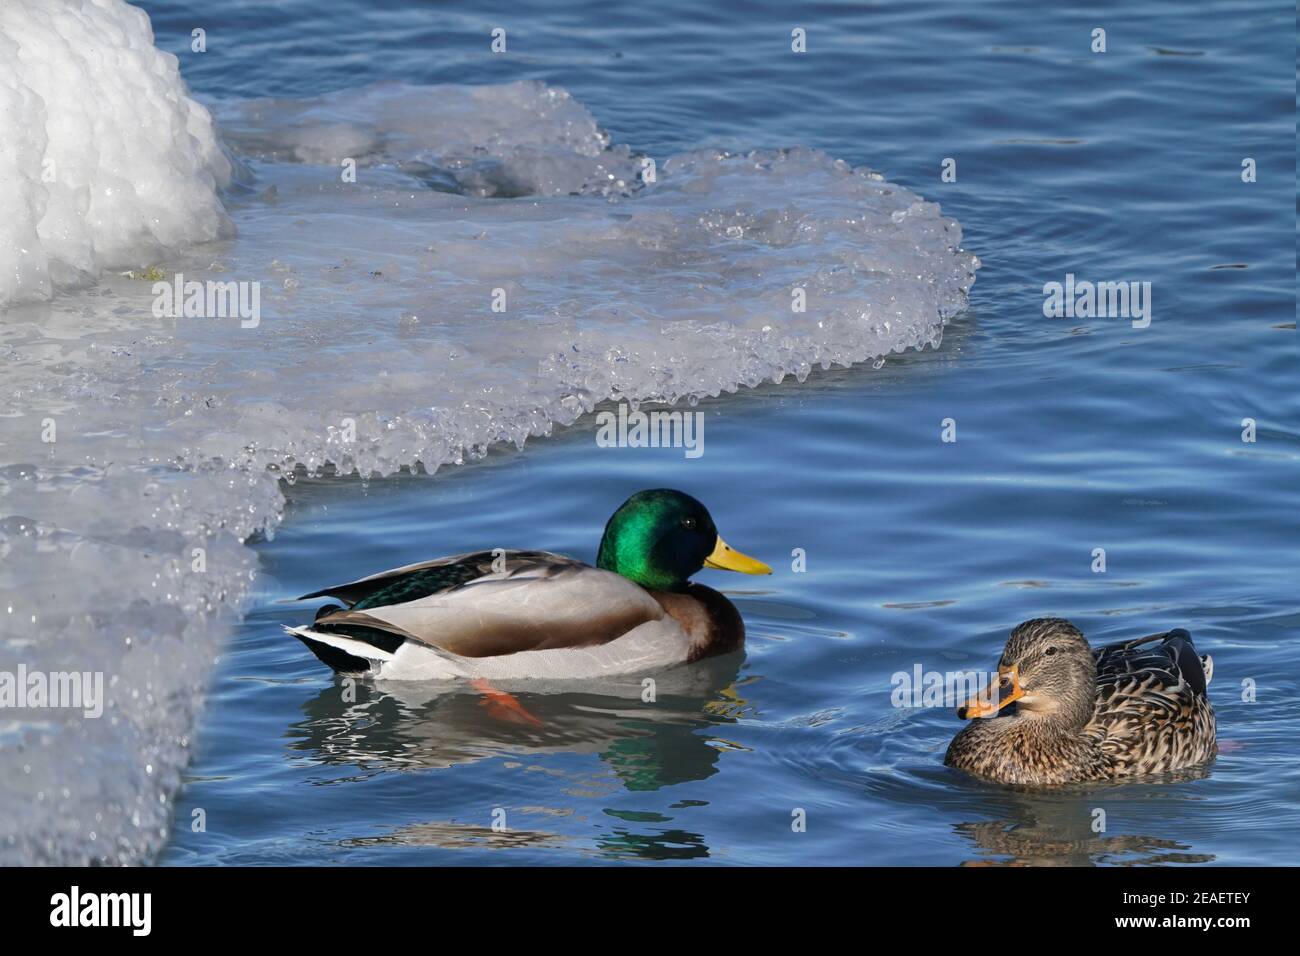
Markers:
1072,435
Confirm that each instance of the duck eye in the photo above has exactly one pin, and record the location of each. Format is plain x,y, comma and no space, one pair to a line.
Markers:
688,524
1050,651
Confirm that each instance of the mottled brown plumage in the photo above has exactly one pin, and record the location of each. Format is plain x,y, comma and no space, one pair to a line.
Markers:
1138,707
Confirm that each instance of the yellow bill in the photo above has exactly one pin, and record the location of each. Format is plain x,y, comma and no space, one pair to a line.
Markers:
726,558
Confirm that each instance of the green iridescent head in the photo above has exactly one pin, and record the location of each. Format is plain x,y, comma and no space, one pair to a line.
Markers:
660,538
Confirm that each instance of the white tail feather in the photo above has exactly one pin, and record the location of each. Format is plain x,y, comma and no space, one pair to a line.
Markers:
349,645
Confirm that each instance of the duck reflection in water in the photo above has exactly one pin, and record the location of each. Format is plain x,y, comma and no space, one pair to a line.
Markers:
1068,827
647,743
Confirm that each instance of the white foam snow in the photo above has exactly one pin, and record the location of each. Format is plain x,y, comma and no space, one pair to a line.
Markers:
377,348
105,160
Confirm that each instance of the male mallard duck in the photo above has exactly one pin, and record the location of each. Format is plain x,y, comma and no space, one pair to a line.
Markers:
1124,709
509,615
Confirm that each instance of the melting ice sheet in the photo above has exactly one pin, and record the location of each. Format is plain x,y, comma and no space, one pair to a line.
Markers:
377,348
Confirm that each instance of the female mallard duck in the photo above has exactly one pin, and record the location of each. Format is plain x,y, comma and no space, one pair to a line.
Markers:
1080,715
509,615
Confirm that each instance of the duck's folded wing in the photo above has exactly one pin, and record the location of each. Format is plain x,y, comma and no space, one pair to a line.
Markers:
415,581
536,605
1165,662
1147,690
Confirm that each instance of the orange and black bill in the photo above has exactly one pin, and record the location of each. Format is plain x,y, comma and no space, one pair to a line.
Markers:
987,704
